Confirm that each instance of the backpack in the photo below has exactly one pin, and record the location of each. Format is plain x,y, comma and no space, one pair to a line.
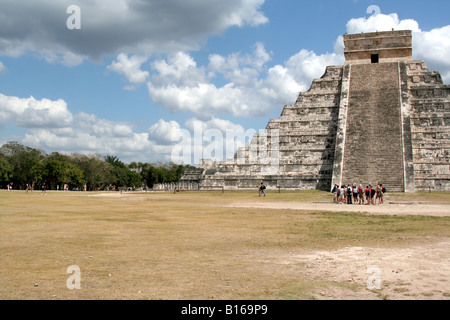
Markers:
383,190
263,187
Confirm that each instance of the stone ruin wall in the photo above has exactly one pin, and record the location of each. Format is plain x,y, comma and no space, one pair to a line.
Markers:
429,101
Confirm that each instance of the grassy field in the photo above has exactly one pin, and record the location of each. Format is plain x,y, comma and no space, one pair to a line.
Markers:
184,245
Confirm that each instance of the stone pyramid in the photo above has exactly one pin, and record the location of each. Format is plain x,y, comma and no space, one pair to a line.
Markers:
381,117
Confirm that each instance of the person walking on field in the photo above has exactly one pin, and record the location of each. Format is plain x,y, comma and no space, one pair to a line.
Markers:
383,191
378,194
361,194
334,192
262,187
355,194
372,194
341,194
367,192
338,194
44,190
349,194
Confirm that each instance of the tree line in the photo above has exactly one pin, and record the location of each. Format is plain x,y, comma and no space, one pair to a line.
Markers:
22,166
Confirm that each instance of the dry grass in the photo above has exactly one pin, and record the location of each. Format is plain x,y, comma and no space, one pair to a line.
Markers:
181,246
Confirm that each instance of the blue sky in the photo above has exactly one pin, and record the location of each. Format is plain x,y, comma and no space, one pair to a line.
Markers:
139,77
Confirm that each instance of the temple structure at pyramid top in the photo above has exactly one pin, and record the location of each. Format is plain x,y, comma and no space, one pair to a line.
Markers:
380,117
378,47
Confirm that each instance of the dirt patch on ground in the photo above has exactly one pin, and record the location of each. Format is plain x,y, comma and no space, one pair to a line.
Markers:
419,272
388,208
394,208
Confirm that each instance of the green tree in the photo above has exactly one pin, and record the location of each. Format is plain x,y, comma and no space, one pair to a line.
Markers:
6,170
57,173
124,177
24,165
23,160
96,173
161,173
134,179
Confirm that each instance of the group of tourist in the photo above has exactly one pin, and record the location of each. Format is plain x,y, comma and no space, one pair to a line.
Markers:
353,194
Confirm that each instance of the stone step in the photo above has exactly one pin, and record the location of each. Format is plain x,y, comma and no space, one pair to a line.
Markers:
373,149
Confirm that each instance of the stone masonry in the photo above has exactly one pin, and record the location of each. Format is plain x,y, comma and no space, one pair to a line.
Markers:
381,117
373,145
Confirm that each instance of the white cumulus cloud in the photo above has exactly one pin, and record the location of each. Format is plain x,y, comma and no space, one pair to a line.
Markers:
381,22
252,87
130,67
434,48
30,112
165,132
